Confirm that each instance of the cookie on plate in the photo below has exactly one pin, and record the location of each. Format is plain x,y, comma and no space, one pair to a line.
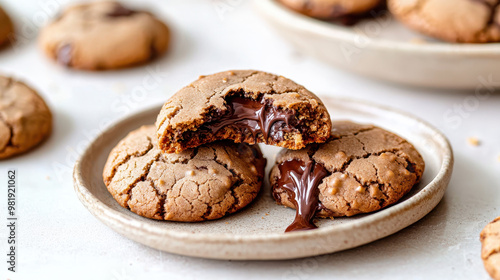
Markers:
6,27
490,252
360,169
104,35
25,119
464,21
244,106
204,183
331,9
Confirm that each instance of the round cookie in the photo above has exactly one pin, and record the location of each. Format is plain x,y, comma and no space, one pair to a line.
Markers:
360,169
330,9
490,252
25,119
463,21
6,27
104,35
244,106
204,183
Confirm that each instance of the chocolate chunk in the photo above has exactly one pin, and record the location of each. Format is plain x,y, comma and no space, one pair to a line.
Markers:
120,11
254,117
301,180
64,55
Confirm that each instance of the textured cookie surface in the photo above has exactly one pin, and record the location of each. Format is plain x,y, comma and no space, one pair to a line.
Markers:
467,21
362,168
6,28
25,119
490,252
330,9
243,106
104,35
198,184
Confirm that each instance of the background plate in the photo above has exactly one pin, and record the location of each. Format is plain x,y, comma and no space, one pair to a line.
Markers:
256,233
384,49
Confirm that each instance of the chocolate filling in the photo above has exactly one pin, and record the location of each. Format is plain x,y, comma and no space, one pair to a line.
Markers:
301,180
120,11
253,117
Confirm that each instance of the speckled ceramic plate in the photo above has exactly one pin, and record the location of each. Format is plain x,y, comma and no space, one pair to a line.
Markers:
256,233
385,49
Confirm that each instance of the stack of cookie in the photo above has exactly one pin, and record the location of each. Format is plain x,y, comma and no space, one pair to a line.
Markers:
201,161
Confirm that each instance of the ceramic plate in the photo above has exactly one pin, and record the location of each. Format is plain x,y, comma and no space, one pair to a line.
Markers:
257,232
384,49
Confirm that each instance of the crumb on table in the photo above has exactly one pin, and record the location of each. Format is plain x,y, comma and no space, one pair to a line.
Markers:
473,141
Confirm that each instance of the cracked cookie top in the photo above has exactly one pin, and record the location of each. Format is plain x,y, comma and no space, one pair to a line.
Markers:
360,169
204,183
6,27
464,21
104,35
244,106
330,9
25,119
490,252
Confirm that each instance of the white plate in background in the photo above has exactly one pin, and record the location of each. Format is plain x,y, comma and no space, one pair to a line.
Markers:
384,49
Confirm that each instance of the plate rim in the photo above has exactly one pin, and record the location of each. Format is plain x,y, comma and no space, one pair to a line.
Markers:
321,28
110,216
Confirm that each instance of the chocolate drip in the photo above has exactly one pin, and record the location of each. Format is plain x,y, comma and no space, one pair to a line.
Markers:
301,180
120,11
253,116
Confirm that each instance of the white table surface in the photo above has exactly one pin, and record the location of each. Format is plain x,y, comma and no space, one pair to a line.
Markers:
59,239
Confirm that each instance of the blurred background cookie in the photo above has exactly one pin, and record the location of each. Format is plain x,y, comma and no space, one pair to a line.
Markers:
104,35
25,119
490,252
361,169
204,183
330,9
6,27
464,21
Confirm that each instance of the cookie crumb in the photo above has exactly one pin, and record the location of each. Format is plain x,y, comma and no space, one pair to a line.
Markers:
360,189
224,80
212,171
227,223
333,191
418,41
190,173
267,214
473,141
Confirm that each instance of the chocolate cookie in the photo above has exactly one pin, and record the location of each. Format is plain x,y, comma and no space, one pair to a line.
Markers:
243,106
330,9
104,35
6,28
360,169
464,21
490,252
204,183
25,119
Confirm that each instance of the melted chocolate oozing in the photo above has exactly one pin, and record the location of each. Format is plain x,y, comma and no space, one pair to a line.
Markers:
253,116
120,11
301,180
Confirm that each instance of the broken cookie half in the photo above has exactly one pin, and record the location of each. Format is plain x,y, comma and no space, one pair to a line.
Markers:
204,183
244,106
360,169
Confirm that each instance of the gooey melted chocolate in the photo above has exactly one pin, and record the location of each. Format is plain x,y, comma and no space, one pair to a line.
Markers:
301,180
256,117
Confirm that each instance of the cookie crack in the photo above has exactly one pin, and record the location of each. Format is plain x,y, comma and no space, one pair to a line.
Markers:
128,158
10,143
143,178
